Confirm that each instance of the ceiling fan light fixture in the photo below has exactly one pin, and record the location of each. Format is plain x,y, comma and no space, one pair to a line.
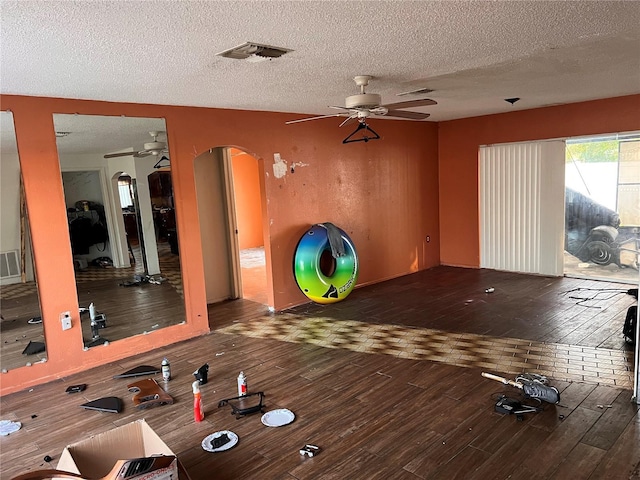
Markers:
363,100
154,146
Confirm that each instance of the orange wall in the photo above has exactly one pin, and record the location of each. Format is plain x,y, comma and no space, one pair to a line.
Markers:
384,194
246,185
459,142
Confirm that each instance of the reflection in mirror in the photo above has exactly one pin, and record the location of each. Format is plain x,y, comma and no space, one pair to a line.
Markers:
21,331
118,192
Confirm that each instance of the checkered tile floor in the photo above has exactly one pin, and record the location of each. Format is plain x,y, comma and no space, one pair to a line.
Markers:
506,355
17,290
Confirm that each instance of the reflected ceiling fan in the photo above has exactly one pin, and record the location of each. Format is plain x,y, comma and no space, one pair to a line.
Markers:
151,148
365,105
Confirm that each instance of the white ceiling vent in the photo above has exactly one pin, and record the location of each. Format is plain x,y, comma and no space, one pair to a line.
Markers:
418,91
254,52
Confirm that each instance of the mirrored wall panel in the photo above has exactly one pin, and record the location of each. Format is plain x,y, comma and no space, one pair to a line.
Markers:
21,330
116,175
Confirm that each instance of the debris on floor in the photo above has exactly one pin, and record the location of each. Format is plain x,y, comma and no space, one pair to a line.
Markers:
149,394
7,427
219,441
309,450
139,371
244,404
105,404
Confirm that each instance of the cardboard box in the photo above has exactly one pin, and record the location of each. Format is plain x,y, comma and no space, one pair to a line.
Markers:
96,456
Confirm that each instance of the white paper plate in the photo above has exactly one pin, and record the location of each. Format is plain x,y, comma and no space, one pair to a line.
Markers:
278,418
7,427
233,439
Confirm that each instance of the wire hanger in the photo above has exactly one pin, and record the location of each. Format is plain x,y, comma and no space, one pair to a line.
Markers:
364,138
157,165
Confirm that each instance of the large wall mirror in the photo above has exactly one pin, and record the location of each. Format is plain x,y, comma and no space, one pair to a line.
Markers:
21,332
116,174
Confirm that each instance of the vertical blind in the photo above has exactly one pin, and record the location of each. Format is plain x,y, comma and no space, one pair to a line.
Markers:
522,207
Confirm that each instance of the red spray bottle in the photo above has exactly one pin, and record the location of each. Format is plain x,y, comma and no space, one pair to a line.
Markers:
198,413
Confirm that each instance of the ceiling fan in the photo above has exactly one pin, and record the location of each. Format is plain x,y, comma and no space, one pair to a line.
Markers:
151,148
365,105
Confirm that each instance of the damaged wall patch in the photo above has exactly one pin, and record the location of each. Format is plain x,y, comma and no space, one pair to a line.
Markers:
279,166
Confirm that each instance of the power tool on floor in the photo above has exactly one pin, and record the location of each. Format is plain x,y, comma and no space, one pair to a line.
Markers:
533,385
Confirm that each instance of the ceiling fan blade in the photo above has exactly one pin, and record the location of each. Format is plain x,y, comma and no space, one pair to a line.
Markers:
407,114
123,154
315,118
411,103
339,107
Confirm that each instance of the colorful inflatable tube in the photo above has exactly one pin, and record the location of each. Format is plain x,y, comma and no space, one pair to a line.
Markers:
312,281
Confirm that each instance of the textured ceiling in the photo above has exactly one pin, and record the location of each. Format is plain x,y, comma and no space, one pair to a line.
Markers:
474,54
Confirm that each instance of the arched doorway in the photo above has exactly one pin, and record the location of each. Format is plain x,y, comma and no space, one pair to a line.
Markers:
232,225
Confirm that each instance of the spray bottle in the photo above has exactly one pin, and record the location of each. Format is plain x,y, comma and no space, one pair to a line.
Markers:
198,413
94,324
242,384
166,370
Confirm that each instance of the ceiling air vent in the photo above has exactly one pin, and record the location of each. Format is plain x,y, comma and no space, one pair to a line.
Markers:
419,91
254,52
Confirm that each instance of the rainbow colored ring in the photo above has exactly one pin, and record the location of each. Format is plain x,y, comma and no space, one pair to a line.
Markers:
306,267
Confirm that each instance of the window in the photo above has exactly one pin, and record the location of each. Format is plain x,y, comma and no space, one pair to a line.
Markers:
602,207
124,188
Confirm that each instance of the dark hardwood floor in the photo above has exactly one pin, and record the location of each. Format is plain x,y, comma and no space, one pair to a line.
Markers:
388,383
129,311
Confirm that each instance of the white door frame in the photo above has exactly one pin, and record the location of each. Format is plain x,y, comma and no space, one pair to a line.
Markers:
232,224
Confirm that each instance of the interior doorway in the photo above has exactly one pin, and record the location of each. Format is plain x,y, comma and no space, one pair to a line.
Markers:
248,212
231,211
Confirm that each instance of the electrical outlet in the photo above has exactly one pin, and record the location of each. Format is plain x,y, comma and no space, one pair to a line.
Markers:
65,319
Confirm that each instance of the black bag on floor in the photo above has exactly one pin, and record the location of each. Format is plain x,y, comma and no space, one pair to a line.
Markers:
630,325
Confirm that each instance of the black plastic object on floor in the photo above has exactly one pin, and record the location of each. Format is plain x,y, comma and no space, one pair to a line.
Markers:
202,373
33,347
510,406
220,441
96,341
138,372
105,404
630,325
245,404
